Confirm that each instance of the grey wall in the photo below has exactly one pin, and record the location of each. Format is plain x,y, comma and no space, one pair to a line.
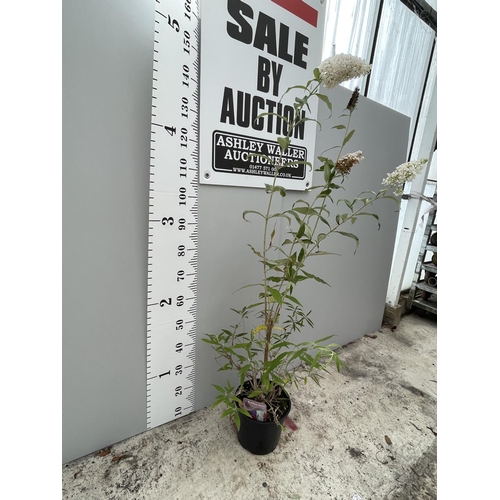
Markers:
107,71
106,98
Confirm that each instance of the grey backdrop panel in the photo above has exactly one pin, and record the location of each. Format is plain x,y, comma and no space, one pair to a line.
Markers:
107,71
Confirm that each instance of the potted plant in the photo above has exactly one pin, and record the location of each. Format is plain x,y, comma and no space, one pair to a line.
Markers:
259,345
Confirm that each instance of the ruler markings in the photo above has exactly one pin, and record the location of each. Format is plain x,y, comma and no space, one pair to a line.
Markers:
174,135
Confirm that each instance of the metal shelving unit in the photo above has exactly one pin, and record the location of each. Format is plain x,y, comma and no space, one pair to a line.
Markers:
423,292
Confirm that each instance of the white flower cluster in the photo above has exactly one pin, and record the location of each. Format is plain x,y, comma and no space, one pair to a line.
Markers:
406,172
340,68
348,161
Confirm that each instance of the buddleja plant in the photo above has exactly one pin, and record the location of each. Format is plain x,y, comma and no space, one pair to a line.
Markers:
259,345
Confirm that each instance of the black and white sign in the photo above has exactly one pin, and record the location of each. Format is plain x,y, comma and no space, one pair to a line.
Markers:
239,154
252,51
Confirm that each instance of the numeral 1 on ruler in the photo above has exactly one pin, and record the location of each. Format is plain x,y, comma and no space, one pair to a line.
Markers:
173,213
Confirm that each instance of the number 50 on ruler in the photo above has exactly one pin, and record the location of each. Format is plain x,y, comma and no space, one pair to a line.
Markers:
173,213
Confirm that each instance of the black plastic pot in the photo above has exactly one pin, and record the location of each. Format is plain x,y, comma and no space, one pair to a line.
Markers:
261,438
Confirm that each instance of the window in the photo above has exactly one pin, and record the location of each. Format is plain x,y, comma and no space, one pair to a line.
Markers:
401,60
394,39
349,29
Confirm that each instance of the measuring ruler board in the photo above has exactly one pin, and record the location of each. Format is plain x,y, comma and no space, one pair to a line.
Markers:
173,212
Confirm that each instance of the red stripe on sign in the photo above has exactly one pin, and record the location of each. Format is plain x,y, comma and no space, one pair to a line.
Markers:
300,9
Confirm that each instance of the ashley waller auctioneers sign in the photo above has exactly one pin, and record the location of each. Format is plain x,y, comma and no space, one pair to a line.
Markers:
252,51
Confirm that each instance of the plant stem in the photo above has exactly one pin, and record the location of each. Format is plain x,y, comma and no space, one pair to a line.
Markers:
307,217
338,158
269,326
270,317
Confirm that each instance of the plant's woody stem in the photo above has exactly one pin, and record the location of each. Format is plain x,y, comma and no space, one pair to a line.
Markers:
271,315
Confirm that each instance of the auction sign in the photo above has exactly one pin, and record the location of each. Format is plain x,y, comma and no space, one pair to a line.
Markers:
252,51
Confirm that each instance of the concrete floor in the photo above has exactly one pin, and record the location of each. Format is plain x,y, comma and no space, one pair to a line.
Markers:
369,432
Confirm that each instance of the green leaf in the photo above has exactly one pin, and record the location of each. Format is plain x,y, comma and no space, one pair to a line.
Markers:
321,252
325,99
327,172
341,218
301,231
271,365
390,197
348,137
372,215
293,299
302,87
284,142
295,214
304,210
279,214
300,258
237,420
324,221
242,410
256,252
272,189
316,278
323,340
352,236
227,412
244,369
348,203
321,237
276,295
326,192
246,212
301,201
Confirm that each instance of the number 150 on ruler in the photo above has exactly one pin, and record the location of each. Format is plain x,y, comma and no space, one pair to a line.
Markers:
173,212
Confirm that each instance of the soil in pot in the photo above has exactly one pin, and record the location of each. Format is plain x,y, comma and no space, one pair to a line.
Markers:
261,438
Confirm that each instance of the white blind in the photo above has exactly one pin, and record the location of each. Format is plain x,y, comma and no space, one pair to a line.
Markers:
402,55
402,51
349,29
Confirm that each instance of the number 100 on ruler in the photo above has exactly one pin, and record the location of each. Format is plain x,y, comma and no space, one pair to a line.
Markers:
173,213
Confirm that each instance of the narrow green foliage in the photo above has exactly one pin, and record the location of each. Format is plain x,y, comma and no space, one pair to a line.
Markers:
327,172
276,295
326,100
347,138
270,189
352,236
316,278
263,347
284,142
301,231
246,212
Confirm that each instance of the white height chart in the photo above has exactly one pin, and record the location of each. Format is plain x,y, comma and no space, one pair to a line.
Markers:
173,212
